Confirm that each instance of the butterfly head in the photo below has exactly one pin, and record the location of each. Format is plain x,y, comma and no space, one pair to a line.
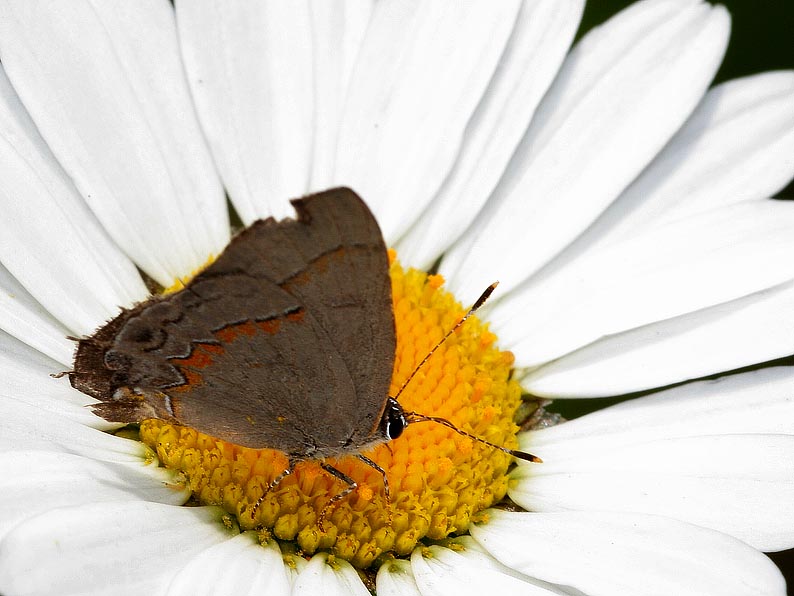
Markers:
393,422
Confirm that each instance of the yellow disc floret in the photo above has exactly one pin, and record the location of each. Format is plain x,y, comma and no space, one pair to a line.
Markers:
438,479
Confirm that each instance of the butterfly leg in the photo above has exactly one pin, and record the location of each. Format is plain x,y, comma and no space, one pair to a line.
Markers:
351,486
386,492
276,481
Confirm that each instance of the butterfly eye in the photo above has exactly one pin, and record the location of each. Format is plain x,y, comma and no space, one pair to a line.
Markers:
393,422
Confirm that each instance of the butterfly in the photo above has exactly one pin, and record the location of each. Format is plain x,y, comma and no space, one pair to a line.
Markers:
286,341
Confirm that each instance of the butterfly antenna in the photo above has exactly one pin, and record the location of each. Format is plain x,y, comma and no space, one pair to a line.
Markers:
416,417
480,301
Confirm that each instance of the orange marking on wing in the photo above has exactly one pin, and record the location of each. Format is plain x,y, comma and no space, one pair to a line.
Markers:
270,327
232,332
248,329
192,379
226,335
251,328
200,358
296,316
212,348
299,279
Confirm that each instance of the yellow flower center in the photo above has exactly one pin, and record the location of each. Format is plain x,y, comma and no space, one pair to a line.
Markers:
438,479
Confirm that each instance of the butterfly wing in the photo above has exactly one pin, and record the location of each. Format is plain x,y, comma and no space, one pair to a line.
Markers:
334,261
285,341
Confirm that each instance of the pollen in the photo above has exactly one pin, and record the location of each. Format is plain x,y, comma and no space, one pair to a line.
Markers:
180,283
438,479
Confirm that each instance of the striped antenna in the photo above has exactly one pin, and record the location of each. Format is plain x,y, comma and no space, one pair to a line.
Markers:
412,417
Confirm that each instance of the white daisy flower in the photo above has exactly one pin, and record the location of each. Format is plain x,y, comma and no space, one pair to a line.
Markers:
623,205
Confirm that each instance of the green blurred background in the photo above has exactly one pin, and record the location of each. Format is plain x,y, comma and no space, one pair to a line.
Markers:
762,38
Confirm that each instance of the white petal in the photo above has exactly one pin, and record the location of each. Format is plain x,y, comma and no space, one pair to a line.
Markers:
49,239
238,566
621,94
726,337
27,378
757,402
534,52
24,318
738,145
334,577
717,454
24,427
422,69
741,485
478,556
442,572
294,563
706,260
613,554
104,84
250,70
120,548
338,30
33,482
395,578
